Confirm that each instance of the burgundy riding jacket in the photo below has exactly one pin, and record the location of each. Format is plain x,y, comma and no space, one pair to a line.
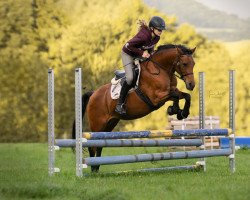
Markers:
140,42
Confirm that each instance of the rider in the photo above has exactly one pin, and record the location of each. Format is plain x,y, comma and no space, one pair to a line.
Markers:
141,45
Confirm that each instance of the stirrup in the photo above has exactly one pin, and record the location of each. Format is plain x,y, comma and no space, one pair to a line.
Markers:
120,109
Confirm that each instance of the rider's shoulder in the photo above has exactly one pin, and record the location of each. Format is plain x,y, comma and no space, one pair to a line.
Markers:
145,32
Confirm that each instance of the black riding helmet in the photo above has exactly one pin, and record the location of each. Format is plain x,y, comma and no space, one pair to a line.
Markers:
158,23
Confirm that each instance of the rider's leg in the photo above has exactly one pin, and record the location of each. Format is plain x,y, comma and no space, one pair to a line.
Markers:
128,63
120,104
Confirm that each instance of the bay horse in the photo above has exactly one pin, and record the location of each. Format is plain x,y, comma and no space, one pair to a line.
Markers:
157,85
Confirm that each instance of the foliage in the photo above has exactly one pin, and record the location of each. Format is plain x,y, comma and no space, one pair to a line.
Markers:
240,62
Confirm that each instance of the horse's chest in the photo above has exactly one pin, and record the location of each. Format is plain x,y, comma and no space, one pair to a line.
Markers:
161,91
163,85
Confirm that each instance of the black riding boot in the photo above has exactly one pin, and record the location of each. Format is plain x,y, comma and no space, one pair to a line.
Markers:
120,105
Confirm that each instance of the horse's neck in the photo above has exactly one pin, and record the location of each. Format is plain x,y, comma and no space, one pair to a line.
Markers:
162,63
166,59
157,75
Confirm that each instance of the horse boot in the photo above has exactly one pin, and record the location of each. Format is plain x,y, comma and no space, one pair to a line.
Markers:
120,105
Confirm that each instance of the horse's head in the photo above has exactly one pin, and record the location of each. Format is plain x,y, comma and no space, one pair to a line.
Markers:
176,58
184,65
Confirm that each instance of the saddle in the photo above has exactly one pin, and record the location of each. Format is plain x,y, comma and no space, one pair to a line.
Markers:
117,81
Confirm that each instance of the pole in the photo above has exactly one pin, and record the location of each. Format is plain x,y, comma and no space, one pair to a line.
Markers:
202,112
130,143
51,124
232,118
78,120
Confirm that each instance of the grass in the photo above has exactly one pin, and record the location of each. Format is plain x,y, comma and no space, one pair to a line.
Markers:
23,175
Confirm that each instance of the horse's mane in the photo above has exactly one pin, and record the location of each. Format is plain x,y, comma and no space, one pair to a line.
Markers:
183,48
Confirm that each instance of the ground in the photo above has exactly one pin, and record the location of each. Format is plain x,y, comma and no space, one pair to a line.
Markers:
24,175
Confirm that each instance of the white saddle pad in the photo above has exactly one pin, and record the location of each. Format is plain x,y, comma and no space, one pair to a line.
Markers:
116,85
115,88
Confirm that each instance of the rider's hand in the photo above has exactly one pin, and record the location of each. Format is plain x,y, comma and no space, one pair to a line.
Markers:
145,54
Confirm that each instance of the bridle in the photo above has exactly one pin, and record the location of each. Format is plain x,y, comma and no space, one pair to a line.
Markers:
175,63
178,63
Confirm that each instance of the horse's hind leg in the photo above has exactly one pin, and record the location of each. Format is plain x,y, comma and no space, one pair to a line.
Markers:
95,151
107,127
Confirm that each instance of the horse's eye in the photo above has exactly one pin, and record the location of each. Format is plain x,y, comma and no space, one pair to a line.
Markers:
185,64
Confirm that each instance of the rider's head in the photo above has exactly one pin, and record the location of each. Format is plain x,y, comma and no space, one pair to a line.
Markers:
157,25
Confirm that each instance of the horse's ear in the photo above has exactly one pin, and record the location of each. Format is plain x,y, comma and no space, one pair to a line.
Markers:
193,50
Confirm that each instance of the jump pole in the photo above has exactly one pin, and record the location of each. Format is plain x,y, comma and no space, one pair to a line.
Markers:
109,160
130,143
155,134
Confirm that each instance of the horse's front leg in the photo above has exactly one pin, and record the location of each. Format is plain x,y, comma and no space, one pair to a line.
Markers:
174,109
182,114
175,96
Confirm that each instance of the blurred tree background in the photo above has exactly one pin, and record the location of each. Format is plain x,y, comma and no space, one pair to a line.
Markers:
40,34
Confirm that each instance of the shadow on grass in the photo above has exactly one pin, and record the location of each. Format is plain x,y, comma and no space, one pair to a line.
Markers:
144,172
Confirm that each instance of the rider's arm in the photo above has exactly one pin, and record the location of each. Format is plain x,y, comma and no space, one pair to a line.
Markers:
133,49
134,45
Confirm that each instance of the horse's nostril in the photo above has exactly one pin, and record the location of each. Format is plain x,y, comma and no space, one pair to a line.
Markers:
190,86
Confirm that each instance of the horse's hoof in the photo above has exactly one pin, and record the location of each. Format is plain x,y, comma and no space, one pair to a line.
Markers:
170,110
94,169
182,114
179,115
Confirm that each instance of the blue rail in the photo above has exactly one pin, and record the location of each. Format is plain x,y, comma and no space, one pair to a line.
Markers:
108,160
155,134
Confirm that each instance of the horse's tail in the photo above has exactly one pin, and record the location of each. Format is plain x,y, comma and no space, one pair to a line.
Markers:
85,100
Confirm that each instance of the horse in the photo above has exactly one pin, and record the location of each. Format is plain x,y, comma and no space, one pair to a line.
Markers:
157,85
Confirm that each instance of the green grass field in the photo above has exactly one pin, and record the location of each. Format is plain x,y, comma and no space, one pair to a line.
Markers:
23,175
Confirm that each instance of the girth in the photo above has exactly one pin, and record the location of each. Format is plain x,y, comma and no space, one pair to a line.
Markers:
145,98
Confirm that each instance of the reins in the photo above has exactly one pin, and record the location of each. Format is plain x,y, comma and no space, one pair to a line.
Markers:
175,63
